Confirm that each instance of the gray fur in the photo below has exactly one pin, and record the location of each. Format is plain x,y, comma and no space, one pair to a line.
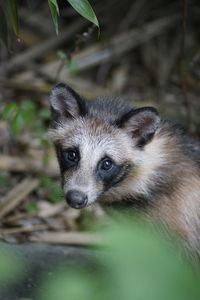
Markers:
108,109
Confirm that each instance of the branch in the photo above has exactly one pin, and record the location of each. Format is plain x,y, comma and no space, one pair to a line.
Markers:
17,195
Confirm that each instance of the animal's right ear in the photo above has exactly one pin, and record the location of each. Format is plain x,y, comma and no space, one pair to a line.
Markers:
66,103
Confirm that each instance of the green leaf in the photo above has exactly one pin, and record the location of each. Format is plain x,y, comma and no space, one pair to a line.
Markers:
73,285
53,191
84,8
13,14
3,27
54,2
72,67
155,271
61,55
45,114
25,299
28,112
31,207
17,124
11,267
10,111
53,5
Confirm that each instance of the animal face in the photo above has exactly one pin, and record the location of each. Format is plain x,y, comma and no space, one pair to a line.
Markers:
93,158
95,155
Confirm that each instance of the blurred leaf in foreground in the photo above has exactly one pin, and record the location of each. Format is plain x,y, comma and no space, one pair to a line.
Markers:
136,263
25,299
70,284
146,265
11,267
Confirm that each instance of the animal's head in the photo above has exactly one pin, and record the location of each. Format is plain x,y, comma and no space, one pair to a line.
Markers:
96,156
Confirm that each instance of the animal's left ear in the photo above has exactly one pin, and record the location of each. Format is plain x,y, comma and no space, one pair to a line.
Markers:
141,124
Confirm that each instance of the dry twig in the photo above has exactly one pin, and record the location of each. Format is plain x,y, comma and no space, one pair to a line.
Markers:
29,165
23,229
68,238
46,209
17,195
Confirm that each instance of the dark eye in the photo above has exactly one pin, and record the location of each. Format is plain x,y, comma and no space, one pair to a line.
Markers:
106,164
72,155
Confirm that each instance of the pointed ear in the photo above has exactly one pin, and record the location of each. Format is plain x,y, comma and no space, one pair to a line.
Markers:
66,103
141,124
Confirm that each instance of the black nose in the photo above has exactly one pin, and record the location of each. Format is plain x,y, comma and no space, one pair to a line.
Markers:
76,199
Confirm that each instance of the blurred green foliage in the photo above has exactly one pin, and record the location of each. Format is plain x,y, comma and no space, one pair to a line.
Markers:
72,67
11,268
137,263
10,16
53,192
69,63
31,207
5,181
20,115
26,113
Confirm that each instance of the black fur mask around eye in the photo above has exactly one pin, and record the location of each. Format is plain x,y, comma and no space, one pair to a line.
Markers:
106,169
106,164
70,157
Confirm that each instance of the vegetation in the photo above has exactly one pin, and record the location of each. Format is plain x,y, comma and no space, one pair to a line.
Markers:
135,262
83,7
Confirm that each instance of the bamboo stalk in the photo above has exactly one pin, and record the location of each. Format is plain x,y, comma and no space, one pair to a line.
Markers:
67,238
17,195
29,165
23,229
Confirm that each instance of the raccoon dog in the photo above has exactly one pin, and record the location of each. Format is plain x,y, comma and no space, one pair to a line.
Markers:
110,151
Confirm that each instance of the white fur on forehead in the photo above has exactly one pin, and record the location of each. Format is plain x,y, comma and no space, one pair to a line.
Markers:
58,134
92,136
64,129
77,127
